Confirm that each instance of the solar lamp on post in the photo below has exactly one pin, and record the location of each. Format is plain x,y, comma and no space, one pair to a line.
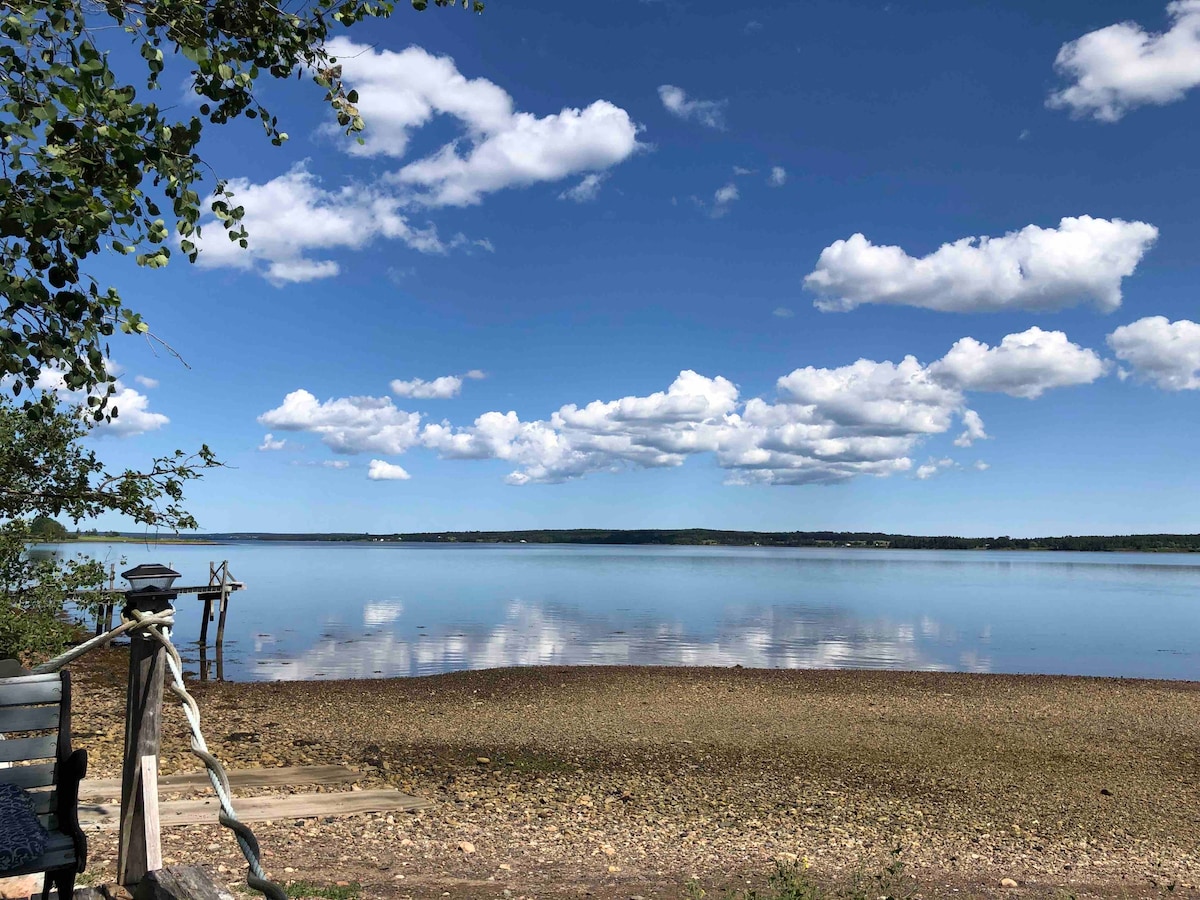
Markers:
139,849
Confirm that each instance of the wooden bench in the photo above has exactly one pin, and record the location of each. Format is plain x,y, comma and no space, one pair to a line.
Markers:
35,719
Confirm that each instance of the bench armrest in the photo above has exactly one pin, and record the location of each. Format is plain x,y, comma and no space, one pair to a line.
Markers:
70,773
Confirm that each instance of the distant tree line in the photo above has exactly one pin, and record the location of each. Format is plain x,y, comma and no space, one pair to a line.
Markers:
1158,543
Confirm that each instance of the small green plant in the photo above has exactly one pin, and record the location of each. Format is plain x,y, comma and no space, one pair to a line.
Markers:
793,881
789,881
887,883
309,889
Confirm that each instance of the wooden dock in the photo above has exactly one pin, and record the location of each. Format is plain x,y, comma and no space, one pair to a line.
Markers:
221,584
103,815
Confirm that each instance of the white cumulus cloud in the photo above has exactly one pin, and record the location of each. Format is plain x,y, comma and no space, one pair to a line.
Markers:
295,222
586,191
1083,259
934,466
442,388
710,113
379,470
146,382
130,407
1122,66
973,429
347,424
270,443
825,425
1164,353
292,216
530,150
134,416
778,176
1022,365
723,199
500,147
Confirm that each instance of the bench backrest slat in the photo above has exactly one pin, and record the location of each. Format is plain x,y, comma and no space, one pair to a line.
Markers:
16,749
27,718
36,776
27,691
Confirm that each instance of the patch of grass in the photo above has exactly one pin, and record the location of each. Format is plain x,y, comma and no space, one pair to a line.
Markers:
793,881
309,889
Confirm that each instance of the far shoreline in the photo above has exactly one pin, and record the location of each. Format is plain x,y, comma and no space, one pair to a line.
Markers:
812,540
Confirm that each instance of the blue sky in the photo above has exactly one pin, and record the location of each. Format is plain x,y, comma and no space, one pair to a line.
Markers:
571,206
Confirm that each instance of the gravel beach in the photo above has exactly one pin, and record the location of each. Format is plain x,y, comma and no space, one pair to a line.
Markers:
633,782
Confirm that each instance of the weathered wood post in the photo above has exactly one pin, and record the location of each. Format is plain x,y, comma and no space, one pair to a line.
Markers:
112,586
139,850
225,579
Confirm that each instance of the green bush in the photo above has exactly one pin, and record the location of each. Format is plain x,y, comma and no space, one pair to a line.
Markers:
34,586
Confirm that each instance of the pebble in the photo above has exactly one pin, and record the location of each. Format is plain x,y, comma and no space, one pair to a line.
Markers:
466,846
1007,883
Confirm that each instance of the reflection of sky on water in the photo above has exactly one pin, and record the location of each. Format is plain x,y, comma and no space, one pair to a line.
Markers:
533,634
323,610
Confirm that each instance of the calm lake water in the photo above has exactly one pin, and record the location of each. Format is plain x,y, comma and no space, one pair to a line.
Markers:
323,610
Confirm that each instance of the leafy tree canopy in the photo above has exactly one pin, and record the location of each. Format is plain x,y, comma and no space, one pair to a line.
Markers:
89,164
44,528
48,472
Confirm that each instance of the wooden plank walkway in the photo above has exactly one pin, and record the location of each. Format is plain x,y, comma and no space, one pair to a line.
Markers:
250,809
89,593
262,809
104,788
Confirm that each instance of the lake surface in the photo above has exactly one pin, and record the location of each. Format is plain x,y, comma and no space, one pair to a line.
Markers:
326,610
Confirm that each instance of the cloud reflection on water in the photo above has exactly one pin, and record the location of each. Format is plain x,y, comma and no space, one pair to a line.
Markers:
538,634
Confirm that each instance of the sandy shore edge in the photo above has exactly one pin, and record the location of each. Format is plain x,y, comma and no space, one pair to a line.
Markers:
621,782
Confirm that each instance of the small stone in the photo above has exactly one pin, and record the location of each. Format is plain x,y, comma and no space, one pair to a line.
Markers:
1007,883
1105,792
613,870
466,846
483,760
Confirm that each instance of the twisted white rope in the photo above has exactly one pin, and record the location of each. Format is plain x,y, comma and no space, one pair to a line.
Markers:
166,619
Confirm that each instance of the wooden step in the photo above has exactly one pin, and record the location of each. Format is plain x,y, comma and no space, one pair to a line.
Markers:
106,788
261,809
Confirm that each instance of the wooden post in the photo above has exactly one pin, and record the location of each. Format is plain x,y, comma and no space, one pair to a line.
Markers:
224,602
143,724
112,586
152,831
207,617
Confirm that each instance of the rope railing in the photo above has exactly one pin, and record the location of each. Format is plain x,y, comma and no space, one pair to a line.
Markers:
158,626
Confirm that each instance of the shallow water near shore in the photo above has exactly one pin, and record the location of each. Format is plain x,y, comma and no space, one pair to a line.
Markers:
361,610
